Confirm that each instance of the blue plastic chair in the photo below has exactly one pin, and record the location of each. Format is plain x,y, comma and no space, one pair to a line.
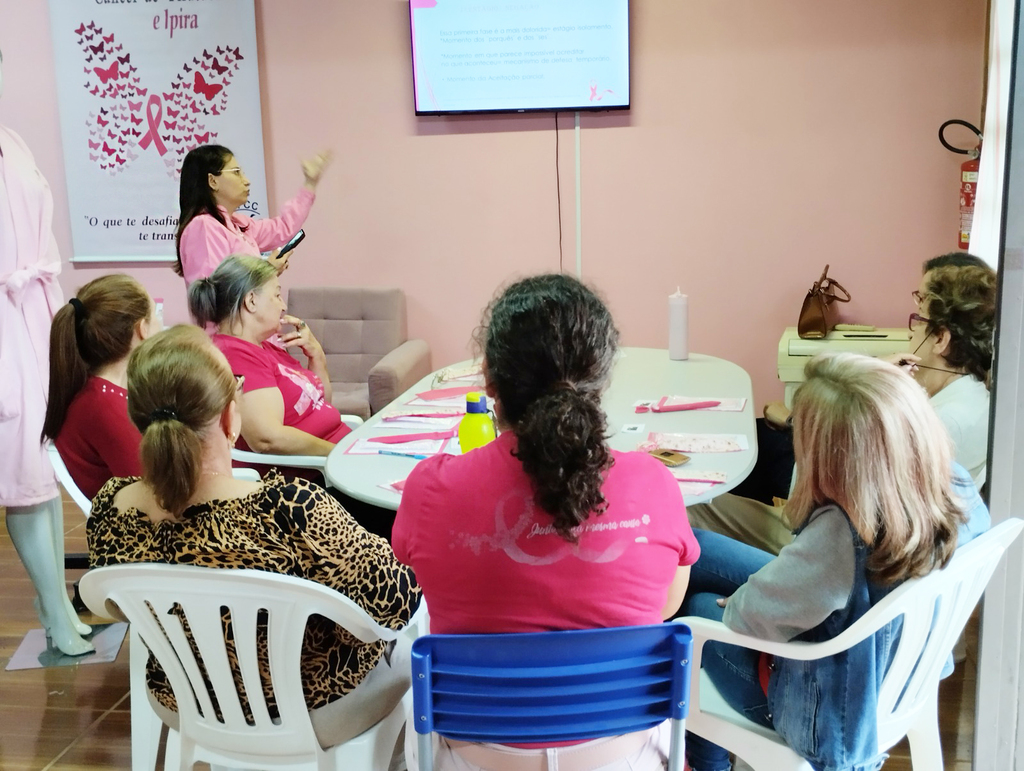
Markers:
549,687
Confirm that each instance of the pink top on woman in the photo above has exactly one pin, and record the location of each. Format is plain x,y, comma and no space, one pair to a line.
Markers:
29,296
489,561
270,366
205,242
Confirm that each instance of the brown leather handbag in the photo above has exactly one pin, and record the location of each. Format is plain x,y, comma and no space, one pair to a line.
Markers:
818,314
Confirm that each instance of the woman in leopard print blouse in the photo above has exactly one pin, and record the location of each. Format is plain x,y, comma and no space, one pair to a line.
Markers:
182,397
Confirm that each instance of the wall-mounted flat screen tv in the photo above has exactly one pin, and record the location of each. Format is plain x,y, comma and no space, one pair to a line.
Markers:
519,55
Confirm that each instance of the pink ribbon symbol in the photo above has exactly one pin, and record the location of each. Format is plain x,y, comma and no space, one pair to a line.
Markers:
153,135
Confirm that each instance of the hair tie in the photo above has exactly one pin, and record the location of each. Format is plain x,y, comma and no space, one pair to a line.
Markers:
80,316
564,385
80,312
163,413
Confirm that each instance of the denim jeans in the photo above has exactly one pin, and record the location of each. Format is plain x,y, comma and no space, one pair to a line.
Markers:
723,567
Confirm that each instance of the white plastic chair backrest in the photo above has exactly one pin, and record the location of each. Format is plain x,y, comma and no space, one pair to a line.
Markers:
64,477
318,462
935,611
145,594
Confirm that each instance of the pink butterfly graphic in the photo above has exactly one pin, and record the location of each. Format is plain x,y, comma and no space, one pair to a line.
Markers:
190,101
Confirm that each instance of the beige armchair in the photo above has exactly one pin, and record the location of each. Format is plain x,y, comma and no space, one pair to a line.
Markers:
363,332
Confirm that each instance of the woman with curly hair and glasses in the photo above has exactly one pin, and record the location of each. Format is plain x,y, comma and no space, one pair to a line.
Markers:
546,528
952,336
950,355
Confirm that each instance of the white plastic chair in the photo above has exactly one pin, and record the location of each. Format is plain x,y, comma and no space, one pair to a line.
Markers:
144,594
317,462
935,610
64,477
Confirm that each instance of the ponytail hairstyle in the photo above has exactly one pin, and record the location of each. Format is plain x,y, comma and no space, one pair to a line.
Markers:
867,439
194,194
549,344
178,387
219,297
93,330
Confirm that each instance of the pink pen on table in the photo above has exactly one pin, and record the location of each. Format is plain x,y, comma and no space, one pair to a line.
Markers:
446,393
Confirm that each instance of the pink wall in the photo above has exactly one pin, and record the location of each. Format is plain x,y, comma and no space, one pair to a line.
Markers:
765,140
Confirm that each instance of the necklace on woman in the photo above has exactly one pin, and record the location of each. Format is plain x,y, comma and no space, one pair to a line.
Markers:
213,474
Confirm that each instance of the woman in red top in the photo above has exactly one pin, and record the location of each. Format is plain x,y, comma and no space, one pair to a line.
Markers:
286,408
87,413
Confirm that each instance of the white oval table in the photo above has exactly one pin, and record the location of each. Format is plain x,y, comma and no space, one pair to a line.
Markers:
640,373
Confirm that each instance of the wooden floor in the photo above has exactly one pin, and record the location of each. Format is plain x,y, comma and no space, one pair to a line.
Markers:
77,718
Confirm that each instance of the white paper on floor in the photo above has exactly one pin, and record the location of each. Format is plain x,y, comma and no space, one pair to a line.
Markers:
34,653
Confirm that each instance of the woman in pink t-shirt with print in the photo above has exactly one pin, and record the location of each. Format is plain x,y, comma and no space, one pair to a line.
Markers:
547,528
286,408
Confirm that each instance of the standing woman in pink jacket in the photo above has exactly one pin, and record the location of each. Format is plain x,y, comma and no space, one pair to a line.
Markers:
213,188
29,297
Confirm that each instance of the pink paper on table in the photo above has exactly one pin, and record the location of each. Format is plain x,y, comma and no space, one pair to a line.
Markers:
419,414
395,487
403,438
694,488
695,442
446,393
683,474
711,403
670,404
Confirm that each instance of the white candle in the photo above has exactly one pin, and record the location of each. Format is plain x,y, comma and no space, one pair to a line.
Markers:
678,326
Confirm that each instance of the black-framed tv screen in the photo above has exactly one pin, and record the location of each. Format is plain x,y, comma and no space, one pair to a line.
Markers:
519,56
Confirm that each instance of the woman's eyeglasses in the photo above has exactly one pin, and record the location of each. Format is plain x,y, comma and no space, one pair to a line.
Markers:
236,170
918,297
916,318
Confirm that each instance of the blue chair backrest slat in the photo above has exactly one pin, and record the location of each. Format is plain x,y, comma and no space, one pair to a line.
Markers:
554,671
548,687
486,692
509,711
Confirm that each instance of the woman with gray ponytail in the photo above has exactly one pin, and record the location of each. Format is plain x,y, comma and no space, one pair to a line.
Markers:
547,527
286,408
188,509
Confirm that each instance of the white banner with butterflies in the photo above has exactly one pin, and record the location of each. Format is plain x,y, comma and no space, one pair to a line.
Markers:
140,83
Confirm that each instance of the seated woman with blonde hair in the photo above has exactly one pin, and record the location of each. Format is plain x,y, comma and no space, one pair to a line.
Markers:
188,509
877,500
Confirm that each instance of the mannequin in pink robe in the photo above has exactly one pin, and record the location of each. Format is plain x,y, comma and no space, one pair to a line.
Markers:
29,296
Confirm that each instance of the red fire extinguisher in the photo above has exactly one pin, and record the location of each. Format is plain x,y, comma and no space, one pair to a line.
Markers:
968,178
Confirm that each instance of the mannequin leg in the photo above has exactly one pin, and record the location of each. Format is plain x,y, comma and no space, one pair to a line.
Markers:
57,518
31,529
